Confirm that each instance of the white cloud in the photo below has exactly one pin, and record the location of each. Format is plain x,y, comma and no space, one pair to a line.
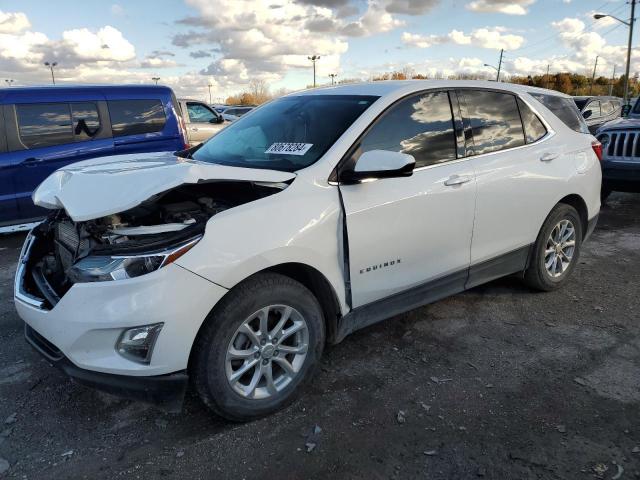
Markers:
481,37
508,7
13,22
107,43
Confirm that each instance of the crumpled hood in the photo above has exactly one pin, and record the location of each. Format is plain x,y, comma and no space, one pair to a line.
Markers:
104,186
620,124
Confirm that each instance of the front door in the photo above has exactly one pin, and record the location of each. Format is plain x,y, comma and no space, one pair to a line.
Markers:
203,122
404,232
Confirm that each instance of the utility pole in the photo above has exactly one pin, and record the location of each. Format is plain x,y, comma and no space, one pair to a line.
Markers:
155,79
314,59
51,65
632,20
593,77
613,79
548,75
209,86
333,77
500,65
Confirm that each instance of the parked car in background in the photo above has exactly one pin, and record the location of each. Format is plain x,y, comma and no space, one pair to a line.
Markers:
233,113
201,121
598,110
154,269
621,154
45,128
219,107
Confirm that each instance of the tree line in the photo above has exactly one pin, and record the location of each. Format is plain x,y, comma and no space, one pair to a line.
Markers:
570,83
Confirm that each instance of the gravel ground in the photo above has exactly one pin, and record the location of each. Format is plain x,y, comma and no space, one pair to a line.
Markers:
499,382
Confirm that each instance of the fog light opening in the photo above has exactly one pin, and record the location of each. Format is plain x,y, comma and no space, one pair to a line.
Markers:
136,344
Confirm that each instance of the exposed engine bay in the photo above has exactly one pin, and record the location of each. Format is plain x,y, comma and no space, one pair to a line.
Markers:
164,220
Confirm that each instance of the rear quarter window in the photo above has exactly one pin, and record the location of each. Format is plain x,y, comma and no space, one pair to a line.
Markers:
565,109
135,117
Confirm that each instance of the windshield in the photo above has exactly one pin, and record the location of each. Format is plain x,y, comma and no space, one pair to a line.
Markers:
288,134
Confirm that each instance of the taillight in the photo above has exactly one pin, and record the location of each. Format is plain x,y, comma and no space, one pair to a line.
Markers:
597,149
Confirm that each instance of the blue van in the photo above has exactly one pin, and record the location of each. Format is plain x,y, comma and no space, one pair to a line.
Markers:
45,128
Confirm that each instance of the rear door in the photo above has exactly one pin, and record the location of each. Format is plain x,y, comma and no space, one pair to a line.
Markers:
202,122
138,125
44,137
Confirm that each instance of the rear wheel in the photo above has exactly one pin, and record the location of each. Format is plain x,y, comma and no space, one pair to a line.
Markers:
258,347
557,249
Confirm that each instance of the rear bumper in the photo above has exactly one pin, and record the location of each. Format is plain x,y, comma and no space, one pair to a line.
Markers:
621,176
166,391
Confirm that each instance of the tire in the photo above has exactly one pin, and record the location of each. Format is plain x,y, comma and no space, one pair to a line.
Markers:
538,275
213,368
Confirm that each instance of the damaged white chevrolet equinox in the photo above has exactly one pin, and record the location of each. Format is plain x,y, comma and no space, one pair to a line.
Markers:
232,264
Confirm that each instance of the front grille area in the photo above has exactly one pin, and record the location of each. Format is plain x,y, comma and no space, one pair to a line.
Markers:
623,145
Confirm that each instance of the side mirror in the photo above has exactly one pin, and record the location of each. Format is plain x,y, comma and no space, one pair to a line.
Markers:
376,164
217,119
587,113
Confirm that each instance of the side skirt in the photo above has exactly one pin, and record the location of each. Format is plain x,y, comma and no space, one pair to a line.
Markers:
432,291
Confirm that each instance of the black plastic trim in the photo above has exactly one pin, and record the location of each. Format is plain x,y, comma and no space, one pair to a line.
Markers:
512,262
165,391
591,226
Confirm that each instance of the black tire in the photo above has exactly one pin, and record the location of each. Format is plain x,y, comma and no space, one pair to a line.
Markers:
208,360
536,276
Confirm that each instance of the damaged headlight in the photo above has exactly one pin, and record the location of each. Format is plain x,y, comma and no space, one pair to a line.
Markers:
119,267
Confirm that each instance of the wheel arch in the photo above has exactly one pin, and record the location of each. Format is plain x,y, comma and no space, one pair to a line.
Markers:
312,279
577,202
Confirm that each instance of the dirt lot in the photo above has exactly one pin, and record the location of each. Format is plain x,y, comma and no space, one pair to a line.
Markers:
498,382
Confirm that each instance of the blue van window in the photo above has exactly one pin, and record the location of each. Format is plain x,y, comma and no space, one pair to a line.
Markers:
132,117
86,121
44,124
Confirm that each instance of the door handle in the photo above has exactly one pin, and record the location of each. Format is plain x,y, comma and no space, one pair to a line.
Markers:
548,156
194,129
457,180
31,162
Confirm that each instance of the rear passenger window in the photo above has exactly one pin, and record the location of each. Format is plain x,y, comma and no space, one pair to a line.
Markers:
607,108
132,117
565,109
421,126
595,109
86,121
534,129
494,120
44,124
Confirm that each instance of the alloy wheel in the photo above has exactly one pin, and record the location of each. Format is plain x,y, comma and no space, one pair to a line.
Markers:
560,248
267,352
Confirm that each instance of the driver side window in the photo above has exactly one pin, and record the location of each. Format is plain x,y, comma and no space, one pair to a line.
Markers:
421,126
199,113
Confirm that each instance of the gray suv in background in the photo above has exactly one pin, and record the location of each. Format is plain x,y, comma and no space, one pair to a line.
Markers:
598,110
201,121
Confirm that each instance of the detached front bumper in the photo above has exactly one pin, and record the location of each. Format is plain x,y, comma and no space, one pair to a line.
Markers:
166,391
83,327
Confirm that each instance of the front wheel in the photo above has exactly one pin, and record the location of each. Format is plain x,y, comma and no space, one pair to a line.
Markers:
557,249
258,347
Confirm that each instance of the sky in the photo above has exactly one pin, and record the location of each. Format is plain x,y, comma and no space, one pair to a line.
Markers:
191,44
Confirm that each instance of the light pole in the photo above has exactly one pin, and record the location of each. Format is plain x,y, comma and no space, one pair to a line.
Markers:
209,86
593,77
51,65
314,59
494,67
629,24
9,81
155,79
613,79
333,77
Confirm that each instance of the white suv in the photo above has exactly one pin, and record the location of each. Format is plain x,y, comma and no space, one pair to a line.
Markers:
322,212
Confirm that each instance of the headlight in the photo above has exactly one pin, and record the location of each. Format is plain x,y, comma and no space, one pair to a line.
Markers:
137,343
603,138
100,268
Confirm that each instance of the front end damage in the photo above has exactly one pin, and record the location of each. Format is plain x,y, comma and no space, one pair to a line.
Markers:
130,243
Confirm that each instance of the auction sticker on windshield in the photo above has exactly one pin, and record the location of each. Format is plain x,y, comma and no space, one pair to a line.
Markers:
289,148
